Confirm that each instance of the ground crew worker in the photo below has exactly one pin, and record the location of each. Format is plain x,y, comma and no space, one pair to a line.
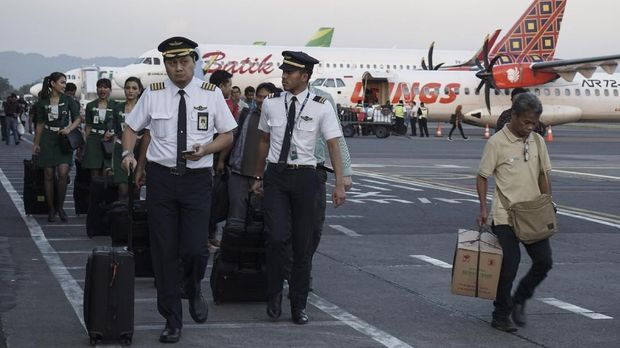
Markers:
133,88
290,123
399,113
98,129
55,115
414,118
423,120
512,157
182,114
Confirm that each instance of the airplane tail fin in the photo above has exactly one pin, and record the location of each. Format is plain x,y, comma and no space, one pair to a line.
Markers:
322,38
534,37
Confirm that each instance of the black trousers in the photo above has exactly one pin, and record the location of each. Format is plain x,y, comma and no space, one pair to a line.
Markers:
289,208
454,125
3,126
540,253
423,123
319,218
413,122
179,208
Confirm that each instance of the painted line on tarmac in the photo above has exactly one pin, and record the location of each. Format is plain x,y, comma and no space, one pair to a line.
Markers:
392,185
566,211
575,309
447,200
345,230
344,216
375,187
69,285
68,239
587,174
256,325
68,252
432,261
61,225
424,200
356,323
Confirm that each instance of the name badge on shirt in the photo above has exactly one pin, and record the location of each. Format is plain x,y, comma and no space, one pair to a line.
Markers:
203,121
53,114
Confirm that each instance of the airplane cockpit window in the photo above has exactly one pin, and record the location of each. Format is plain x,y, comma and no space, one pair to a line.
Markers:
577,92
597,92
147,61
156,61
330,83
339,83
139,60
318,82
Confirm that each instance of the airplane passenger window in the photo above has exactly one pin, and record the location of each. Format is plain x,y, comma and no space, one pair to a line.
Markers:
348,66
466,90
318,82
606,92
339,83
416,90
547,92
147,61
381,66
507,91
401,67
577,92
342,65
320,65
374,66
597,92
327,65
330,83
436,91
587,92
557,92
367,66
446,91
457,91
615,92
537,91
425,90
497,92
407,67
388,66
567,92
156,61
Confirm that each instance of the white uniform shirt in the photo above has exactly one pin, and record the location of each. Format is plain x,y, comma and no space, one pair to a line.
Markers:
315,119
158,111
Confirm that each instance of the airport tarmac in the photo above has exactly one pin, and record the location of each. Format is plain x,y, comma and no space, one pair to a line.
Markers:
382,271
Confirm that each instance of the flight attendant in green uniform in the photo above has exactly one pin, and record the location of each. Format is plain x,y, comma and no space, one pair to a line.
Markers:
55,114
133,89
98,128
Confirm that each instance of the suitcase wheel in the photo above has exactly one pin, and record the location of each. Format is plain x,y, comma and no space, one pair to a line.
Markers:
126,342
93,341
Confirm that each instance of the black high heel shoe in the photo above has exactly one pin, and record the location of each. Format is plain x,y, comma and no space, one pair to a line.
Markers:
62,215
51,216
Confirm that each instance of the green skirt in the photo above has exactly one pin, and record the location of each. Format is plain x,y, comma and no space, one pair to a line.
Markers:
120,175
93,153
50,154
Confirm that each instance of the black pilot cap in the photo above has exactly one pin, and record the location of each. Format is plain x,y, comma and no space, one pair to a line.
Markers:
177,46
296,60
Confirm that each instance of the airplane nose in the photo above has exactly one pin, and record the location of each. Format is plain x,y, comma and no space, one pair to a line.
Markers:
35,89
119,79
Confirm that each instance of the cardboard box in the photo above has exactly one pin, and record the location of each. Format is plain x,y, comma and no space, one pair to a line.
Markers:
476,266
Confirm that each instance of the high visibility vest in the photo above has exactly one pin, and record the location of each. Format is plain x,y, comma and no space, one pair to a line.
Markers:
399,111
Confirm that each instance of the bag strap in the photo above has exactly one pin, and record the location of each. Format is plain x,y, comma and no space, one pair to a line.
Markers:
130,209
538,148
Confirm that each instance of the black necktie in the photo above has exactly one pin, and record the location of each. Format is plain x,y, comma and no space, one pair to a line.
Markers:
181,134
286,144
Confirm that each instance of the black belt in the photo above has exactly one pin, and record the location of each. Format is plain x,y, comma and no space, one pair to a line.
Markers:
174,171
296,166
322,166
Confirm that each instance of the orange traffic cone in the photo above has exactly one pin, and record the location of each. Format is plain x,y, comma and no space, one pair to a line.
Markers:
438,130
549,137
487,133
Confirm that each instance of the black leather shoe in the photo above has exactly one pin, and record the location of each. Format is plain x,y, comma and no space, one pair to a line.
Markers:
198,308
299,316
62,215
518,314
274,306
170,335
504,324
51,216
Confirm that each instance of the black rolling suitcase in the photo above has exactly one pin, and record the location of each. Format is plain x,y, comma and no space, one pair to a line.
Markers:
81,189
102,193
239,266
34,189
109,295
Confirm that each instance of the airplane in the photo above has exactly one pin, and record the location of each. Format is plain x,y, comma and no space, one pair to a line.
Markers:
85,78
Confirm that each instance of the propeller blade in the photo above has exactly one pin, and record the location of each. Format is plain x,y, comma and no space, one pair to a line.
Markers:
438,66
430,55
479,65
494,60
479,86
487,97
424,67
485,50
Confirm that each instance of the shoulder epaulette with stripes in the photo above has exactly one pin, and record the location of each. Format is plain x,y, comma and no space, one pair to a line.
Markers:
319,99
274,95
208,86
157,86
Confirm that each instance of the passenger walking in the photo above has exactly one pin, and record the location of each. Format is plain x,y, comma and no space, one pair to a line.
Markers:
505,116
182,114
250,96
99,129
55,115
133,89
11,112
423,120
520,164
456,119
290,123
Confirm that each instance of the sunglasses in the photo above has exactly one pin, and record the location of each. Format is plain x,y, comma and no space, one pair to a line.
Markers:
526,151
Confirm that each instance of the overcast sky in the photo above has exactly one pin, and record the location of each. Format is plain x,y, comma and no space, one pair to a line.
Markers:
126,28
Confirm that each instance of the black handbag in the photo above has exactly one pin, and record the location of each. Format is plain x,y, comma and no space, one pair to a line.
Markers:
108,148
71,141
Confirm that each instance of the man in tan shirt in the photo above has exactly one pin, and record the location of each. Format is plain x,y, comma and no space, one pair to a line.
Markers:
512,157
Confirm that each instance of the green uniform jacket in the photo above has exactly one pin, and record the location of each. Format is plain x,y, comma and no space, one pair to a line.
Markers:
93,156
68,111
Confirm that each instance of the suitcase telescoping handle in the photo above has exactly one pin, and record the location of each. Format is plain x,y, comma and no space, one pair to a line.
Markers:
130,208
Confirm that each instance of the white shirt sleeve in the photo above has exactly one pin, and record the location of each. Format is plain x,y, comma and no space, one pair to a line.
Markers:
263,124
330,127
140,117
224,120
